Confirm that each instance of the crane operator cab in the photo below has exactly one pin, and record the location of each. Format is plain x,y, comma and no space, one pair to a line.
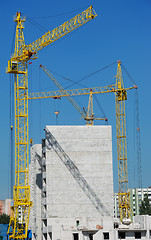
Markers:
12,67
15,67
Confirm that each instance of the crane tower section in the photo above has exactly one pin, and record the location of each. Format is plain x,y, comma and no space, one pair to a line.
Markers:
123,195
21,193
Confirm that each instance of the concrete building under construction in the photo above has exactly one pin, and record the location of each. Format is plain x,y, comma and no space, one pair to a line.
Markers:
71,180
72,183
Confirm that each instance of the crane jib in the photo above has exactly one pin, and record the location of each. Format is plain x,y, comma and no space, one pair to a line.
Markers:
58,32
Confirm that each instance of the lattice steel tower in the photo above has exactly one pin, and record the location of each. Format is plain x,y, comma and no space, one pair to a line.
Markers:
123,194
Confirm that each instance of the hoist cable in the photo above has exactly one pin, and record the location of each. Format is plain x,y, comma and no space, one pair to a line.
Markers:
68,79
139,164
138,143
60,39
135,151
37,25
40,27
61,14
91,74
128,75
13,40
40,108
10,143
100,107
87,76
11,134
30,102
11,123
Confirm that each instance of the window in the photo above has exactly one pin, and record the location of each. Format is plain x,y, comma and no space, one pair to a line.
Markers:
90,236
75,236
77,223
14,66
116,225
106,235
137,235
121,235
45,222
44,168
50,235
43,147
45,236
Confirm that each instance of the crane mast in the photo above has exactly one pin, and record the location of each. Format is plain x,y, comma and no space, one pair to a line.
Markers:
123,194
21,192
20,209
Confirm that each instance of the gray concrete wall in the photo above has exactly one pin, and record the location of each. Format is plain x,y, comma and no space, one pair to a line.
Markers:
79,178
90,149
72,186
35,175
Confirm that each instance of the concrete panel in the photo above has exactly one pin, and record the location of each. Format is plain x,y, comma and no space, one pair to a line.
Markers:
90,150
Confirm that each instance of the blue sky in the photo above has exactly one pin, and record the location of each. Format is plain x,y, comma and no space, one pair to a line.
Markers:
120,31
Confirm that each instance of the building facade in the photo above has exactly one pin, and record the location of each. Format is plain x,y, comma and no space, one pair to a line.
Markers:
71,182
71,179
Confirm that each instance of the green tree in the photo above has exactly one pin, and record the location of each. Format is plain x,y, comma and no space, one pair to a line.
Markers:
145,208
4,218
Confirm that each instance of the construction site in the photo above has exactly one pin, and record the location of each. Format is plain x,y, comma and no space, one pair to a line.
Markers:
64,188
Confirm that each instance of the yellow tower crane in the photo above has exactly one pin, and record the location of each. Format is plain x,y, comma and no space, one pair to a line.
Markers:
120,97
123,194
20,210
89,115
